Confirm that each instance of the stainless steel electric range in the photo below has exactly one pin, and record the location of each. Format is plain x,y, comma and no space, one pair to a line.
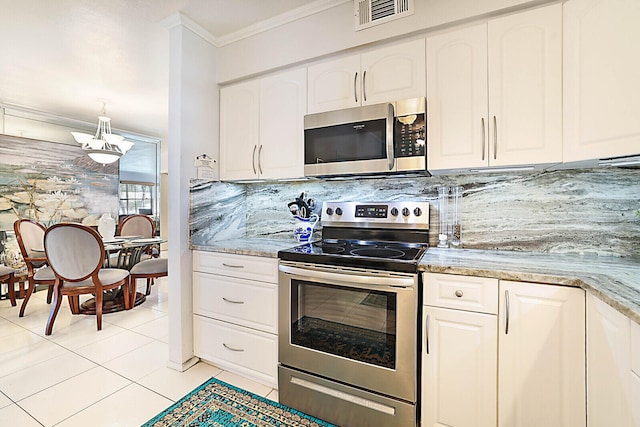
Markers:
349,315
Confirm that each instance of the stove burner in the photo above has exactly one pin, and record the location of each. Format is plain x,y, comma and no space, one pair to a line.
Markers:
364,245
332,248
378,252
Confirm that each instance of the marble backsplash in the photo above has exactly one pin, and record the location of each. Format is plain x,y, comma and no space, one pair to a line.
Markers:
589,211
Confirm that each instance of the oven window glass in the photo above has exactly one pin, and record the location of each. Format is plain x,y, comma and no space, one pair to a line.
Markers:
358,324
346,143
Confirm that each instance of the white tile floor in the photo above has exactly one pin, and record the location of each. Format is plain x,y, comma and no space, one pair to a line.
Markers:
79,376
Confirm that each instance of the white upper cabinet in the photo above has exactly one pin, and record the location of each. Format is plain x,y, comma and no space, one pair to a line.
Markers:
601,79
261,127
283,104
494,93
381,75
457,99
239,130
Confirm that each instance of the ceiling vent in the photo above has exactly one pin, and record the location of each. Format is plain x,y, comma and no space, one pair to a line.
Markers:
374,12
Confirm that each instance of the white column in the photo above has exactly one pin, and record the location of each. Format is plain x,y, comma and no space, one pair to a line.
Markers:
193,130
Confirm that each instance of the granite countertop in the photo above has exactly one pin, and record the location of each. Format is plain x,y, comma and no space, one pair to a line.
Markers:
616,281
252,246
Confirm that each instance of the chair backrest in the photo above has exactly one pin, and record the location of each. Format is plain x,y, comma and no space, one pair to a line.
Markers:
30,236
137,225
74,251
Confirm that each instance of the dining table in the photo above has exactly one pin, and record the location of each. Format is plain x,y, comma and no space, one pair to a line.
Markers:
120,252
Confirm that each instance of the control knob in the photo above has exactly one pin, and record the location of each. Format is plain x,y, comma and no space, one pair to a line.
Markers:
394,211
405,211
417,211
338,211
329,211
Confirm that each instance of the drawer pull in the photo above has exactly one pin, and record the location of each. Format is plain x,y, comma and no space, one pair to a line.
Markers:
459,293
232,265
232,301
231,348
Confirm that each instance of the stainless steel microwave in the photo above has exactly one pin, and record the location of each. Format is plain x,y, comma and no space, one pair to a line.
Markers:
373,139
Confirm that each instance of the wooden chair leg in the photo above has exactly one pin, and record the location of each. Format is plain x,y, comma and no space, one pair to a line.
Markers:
132,290
25,301
99,296
57,300
49,294
74,304
149,284
11,288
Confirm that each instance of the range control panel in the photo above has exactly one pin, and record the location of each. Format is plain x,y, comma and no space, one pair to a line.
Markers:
380,214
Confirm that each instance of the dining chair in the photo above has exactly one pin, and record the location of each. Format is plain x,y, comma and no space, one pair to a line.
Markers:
7,275
148,269
30,236
76,255
137,225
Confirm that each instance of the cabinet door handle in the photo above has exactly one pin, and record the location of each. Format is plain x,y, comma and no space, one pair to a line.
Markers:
232,348
232,265
426,335
506,309
355,87
253,161
260,159
495,138
483,139
232,301
364,86
459,293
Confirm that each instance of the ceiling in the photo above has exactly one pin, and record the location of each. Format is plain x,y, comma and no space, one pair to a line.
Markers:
67,57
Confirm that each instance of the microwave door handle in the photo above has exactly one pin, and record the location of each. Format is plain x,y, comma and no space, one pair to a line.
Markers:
390,123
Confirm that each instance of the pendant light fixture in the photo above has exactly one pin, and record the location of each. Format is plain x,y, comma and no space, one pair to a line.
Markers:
103,147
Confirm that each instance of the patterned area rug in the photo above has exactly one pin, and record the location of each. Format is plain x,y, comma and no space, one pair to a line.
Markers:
218,404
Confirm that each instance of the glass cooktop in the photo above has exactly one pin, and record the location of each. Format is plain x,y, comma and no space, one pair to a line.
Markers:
391,256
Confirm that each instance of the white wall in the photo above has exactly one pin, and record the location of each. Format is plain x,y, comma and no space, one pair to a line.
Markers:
333,31
193,130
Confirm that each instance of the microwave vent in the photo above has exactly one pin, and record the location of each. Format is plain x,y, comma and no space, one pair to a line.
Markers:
374,12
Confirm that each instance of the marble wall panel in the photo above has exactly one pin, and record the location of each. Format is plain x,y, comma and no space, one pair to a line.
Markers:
568,211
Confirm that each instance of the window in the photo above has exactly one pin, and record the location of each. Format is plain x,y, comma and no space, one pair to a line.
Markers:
137,198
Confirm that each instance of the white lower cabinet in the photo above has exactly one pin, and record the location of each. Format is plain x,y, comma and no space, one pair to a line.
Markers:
613,367
541,355
459,368
502,353
459,351
235,313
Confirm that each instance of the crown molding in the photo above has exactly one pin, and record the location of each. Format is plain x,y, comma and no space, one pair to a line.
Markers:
284,18
180,19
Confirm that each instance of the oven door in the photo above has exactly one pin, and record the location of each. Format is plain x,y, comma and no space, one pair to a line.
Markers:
353,326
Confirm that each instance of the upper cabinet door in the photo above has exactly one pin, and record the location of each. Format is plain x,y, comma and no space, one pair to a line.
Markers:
525,87
381,75
457,99
283,104
239,131
394,73
334,85
601,79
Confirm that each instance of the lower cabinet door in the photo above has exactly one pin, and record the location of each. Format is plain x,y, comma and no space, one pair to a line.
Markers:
541,354
459,368
237,349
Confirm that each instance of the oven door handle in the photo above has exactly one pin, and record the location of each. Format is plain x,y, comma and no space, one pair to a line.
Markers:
347,277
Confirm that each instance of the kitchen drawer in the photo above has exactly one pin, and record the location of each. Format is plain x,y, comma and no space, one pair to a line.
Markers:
237,349
244,266
248,303
478,294
635,347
